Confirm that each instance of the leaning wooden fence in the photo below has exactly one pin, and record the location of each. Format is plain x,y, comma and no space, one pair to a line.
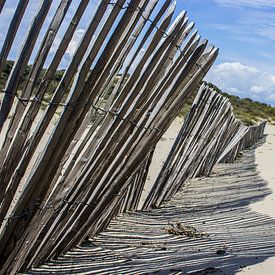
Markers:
95,154
210,134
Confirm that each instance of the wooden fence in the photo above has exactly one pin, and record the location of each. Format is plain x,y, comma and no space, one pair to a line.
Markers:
210,134
69,164
96,144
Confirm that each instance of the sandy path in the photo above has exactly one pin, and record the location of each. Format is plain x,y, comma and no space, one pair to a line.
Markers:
265,160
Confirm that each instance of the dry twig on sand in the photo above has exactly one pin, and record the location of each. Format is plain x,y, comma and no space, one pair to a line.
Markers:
189,231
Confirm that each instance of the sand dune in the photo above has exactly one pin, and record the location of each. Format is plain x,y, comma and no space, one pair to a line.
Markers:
265,160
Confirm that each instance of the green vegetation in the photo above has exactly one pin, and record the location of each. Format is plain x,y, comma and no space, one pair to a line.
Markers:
248,111
8,67
245,109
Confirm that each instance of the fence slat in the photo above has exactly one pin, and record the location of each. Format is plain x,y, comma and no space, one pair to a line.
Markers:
126,82
21,61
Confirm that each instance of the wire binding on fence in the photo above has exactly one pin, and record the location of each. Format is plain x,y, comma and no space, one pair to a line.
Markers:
123,158
27,212
99,110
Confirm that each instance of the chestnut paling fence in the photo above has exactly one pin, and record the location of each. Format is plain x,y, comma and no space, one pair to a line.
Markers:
64,177
73,187
210,134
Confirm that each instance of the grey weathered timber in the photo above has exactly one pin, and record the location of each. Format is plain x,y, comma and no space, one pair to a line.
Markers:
22,60
57,97
31,191
68,170
97,199
101,95
17,150
26,93
137,243
33,107
16,20
210,132
124,174
2,3
36,69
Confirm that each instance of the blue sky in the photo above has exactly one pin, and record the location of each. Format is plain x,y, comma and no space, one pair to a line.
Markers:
244,30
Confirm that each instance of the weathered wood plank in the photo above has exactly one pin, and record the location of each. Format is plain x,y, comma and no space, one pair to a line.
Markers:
21,61
137,243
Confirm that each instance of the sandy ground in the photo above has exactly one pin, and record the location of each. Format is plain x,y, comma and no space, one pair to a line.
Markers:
218,205
265,160
32,163
162,150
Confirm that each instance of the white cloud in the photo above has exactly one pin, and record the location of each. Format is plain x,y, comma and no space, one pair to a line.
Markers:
261,22
250,27
244,81
8,11
75,41
247,3
72,45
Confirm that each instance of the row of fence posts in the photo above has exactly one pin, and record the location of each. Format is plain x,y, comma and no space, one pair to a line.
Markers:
51,200
209,134
95,159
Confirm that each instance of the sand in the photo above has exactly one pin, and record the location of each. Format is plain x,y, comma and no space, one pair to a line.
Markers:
265,156
162,150
218,205
265,160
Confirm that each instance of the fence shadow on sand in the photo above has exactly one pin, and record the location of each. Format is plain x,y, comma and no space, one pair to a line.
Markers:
136,243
